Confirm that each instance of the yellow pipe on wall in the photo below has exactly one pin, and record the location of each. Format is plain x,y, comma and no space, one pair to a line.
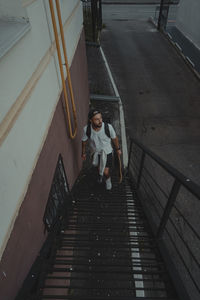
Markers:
71,134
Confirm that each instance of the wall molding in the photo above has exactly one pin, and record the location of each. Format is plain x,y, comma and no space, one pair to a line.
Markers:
27,2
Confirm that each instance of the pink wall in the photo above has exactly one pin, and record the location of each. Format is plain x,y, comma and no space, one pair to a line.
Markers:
28,234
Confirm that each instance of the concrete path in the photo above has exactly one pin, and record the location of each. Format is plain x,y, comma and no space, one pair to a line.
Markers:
159,92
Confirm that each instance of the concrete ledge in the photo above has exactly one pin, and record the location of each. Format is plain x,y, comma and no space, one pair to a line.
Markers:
11,31
92,44
104,98
121,113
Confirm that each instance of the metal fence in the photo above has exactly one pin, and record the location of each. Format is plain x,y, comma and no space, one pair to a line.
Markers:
172,204
92,19
58,207
59,199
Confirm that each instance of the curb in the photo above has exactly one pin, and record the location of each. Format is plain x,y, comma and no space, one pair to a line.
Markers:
185,58
104,98
178,49
121,112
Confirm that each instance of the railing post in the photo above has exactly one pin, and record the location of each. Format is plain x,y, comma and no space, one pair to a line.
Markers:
160,14
140,171
129,154
168,208
100,15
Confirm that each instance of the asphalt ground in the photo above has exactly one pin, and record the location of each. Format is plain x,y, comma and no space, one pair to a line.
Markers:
159,92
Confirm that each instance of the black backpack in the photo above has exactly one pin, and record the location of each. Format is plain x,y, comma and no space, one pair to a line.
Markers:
106,127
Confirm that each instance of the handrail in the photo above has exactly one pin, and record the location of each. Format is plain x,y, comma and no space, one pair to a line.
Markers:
72,134
175,221
189,184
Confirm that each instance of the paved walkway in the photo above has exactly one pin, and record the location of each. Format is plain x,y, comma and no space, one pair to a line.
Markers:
159,92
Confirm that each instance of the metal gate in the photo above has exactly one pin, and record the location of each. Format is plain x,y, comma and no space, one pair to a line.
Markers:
92,15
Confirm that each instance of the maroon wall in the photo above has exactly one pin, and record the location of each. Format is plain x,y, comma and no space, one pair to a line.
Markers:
28,236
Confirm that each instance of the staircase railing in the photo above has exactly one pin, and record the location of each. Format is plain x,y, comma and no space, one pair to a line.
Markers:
172,204
55,218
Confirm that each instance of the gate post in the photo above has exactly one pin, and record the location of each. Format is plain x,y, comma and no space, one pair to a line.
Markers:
140,171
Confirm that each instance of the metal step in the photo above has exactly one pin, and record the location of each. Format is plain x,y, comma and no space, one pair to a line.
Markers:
106,250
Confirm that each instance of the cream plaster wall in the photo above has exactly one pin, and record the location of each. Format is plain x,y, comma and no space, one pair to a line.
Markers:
35,57
12,8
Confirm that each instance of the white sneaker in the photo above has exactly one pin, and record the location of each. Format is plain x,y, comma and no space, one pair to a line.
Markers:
108,184
100,179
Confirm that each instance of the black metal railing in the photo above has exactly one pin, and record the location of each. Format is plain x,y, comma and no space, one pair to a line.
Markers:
171,202
59,197
58,207
92,19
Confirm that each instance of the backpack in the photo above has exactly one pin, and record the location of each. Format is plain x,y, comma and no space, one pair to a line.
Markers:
106,128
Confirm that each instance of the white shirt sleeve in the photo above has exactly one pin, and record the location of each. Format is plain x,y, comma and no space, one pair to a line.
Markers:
112,132
84,137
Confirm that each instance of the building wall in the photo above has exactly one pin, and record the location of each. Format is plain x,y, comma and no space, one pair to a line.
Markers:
34,131
12,9
28,233
188,21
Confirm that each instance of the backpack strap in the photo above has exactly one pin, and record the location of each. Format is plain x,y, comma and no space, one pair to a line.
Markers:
88,131
106,128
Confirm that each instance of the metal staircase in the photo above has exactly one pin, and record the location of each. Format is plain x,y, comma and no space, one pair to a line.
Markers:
106,249
128,243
